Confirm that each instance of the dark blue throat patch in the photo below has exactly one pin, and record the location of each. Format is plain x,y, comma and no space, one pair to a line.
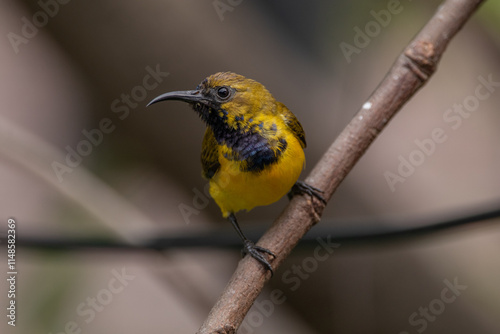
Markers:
246,142
253,149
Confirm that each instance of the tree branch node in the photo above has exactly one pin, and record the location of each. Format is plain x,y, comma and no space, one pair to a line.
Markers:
421,59
226,330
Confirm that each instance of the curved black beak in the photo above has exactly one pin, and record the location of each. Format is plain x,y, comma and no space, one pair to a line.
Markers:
191,96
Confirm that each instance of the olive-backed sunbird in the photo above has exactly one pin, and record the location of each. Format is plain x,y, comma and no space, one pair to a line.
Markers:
252,151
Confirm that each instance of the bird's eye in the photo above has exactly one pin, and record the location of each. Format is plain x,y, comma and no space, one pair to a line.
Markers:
223,93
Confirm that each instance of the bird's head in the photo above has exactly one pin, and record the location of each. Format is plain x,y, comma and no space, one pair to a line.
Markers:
226,98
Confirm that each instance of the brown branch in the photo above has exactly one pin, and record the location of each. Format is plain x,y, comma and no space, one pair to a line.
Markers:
409,73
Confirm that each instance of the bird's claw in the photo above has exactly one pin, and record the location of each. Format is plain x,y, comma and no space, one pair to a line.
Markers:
300,188
256,252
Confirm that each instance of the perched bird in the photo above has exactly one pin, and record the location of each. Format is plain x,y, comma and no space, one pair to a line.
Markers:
252,151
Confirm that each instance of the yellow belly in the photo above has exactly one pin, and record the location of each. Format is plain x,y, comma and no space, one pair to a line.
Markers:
234,190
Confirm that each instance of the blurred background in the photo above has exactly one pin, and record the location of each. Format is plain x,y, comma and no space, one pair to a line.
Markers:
81,157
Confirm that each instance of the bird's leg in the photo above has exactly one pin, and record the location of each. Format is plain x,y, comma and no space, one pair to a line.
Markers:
249,247
300,188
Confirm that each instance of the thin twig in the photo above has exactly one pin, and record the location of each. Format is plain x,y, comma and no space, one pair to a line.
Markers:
122,219
225,237
410,72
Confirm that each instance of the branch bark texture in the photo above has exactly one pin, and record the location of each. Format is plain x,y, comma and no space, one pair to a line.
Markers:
408,74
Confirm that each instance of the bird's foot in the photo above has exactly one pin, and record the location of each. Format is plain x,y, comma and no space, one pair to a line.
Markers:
257,253
301,188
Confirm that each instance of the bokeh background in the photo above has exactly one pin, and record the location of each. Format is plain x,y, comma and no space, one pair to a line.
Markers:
89,62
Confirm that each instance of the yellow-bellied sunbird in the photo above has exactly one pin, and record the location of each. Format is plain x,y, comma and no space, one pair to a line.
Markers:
252,151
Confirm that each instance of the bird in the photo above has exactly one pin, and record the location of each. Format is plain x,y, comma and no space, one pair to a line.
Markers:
253,148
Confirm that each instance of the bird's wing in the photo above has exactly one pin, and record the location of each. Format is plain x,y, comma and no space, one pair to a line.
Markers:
293,124
209,155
